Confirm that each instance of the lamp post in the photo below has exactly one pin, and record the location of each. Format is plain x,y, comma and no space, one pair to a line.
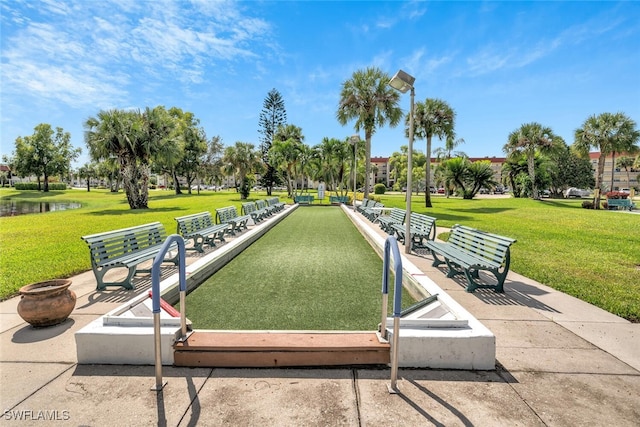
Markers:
402,82
353,140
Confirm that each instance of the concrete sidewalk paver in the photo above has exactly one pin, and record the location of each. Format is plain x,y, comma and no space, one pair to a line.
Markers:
445,398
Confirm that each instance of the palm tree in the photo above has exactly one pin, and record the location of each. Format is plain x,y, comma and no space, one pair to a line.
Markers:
626,163
434,117
285,152
529,140
609,133
241,159
371,102
117,133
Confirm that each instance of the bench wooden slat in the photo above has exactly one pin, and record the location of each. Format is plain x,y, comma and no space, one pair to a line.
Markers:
125,248
396,216
229,215
469,250
201,229
423,227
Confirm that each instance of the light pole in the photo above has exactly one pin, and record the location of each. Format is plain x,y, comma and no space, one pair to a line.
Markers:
353,140
403,82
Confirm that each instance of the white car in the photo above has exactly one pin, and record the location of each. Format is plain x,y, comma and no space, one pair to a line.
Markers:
576,192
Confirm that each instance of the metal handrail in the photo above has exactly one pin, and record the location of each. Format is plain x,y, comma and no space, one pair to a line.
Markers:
391,245
155,298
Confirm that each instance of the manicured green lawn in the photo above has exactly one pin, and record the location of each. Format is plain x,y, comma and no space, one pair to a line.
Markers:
313,271
594,255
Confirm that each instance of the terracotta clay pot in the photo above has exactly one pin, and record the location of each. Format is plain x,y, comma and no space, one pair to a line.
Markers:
46,303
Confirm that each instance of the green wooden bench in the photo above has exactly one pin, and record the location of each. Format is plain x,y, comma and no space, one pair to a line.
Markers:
625,204
469,250
125,248
365,203
336,200
202,229
250,208
396,216
303,199
373,210
229,215
423,228
275,203
264,207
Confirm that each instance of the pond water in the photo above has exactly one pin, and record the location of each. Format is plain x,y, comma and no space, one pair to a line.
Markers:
10,207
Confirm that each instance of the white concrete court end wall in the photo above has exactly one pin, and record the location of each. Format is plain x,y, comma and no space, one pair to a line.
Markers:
429,346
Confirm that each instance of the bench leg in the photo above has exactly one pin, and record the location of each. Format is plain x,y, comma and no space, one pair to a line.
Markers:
102,271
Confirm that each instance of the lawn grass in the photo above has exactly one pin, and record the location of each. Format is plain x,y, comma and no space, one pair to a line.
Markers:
314,268
591,254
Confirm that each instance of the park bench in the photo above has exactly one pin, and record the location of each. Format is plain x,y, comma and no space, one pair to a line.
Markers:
625,204
201,228
125,248
275,203
365,203
396,216
423,228
264,207
372,211
336,200
256,214
229,215
303,199
469,250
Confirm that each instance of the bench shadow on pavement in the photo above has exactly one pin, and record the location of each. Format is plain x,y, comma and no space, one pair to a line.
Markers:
516,293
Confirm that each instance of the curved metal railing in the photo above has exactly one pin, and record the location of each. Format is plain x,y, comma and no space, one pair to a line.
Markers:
155,298
391,245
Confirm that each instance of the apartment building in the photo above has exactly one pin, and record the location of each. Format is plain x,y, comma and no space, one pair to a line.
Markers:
621,177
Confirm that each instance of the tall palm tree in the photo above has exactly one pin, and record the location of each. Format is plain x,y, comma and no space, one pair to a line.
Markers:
609,133
371,102
529,140
433,117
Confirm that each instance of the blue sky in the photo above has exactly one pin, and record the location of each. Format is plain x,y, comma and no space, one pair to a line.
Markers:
498,64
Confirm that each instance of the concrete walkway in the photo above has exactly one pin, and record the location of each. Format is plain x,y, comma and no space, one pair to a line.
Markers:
560,362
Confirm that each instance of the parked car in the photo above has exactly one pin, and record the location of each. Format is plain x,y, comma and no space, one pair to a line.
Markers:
576,192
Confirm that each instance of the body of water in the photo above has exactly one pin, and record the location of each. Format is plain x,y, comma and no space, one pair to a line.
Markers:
10,207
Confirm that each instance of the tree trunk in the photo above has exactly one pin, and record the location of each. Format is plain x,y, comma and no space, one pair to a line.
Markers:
176,183
613,168
599,175
531,165
427,167
367,163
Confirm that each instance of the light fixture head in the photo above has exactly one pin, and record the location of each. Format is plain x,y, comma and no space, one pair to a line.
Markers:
402,81
354,139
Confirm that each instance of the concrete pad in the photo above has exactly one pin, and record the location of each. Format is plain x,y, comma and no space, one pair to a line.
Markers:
582,400
99,395
445,398
561,360
25,343
13,386
621,341
543,334
278,397
486,304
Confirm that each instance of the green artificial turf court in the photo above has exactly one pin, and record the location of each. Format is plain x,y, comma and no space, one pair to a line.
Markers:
313,271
